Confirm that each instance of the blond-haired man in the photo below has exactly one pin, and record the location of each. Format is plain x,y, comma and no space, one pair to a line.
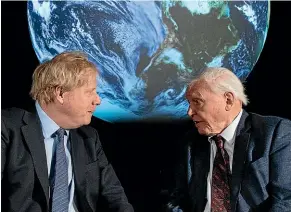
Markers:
50,160
232,160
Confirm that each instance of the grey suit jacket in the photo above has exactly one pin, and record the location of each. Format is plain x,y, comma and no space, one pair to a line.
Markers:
24,173
261,170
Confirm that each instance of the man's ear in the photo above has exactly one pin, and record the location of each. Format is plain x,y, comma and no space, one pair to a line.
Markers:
59,94
229,97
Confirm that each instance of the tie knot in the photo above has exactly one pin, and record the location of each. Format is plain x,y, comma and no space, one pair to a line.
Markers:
60,132
219,141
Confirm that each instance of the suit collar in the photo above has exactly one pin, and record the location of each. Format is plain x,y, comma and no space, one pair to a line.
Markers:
229,132
244,124
48,125
239,157
35,141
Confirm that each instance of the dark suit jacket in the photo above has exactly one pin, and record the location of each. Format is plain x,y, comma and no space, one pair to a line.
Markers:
24,172
261,170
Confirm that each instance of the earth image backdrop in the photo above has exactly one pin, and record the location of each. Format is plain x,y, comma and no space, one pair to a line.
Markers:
147,51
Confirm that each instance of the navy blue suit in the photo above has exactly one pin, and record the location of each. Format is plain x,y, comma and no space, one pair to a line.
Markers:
24,175
261,170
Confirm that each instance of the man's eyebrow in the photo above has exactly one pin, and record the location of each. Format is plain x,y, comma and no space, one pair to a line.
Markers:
196,95
90,89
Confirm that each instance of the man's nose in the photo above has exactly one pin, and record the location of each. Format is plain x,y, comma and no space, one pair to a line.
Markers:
97,100
190,112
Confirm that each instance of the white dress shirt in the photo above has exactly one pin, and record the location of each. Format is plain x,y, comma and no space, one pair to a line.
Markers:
229,135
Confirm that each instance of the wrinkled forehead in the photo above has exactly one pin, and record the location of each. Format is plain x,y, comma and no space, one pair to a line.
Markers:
196,89
193,93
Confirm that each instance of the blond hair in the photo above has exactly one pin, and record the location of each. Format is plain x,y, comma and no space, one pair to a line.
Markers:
221,80
67,71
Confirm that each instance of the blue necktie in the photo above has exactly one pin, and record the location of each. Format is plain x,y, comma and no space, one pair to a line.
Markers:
60,189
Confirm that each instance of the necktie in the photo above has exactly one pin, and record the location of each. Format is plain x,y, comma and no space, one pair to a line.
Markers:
220,190
60,190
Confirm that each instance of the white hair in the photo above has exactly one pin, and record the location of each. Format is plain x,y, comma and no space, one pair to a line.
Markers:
222,80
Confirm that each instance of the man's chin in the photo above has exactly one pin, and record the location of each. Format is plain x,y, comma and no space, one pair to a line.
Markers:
87,122
204,132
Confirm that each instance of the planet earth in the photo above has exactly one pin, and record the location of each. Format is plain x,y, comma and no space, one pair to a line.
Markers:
148,51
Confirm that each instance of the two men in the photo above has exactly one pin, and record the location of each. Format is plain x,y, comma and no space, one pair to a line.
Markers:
232,160
51,161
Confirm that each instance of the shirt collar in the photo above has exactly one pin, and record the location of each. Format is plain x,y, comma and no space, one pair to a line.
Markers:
229,133
48,125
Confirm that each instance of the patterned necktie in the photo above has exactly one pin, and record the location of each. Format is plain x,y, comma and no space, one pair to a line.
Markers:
60,190
220,190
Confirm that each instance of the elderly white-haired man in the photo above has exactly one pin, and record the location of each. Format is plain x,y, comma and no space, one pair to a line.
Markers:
231,160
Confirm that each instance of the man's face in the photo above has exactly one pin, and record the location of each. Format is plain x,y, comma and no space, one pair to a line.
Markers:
80,103
207,109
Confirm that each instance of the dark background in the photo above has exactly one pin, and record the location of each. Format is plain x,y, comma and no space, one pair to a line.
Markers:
142,153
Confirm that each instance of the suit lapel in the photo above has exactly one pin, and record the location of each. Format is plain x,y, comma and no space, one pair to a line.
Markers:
200,170
79,166
239,158
35,141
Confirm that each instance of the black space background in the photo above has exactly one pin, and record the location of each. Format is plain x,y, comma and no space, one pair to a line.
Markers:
141,153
